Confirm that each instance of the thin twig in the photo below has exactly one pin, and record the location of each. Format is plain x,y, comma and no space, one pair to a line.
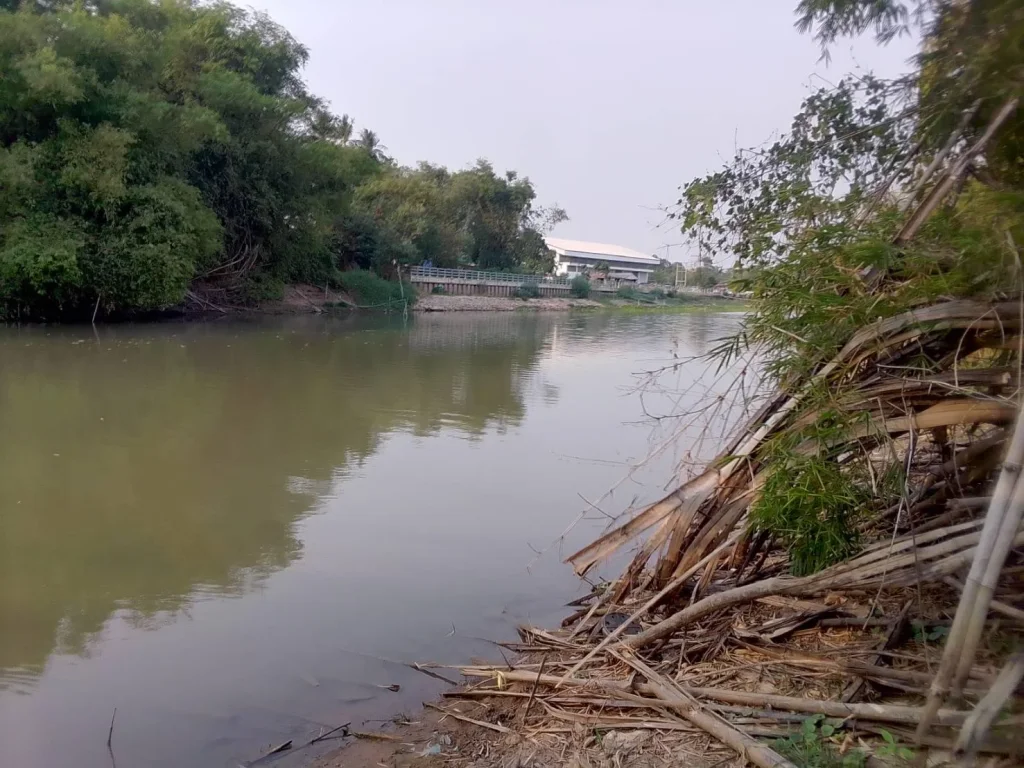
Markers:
110,732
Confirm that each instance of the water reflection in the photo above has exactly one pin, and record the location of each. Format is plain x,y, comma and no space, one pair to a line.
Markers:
145,468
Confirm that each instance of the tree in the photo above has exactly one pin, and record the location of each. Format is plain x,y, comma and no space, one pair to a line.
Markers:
148,146
812,212
472,217
370,143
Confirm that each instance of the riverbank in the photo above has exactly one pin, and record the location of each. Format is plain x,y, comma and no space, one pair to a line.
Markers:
308,299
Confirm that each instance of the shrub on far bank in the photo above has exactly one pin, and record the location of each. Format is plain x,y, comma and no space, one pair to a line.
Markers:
260,287
438,290
528,291
579,287
372,291
627,292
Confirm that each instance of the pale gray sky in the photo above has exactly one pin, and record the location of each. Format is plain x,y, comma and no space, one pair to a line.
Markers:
607,105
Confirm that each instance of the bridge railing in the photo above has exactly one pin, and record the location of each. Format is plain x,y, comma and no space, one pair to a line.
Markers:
477,276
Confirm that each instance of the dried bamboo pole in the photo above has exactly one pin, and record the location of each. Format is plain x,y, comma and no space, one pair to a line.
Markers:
940,156
676,699
1001,497
884,713
980,720
998,606
668,589
1004,541
943,188
954,554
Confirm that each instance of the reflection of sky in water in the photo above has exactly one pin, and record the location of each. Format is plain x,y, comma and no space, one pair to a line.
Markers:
149,475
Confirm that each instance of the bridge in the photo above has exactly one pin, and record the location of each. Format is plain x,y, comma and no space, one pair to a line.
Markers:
480,283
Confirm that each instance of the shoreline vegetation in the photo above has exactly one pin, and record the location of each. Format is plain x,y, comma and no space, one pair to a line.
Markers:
841,586
160,153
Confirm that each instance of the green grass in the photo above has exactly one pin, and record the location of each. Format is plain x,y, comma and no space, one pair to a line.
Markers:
813,747
370,291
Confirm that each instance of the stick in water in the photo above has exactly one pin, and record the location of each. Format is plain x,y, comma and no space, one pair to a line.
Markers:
110,733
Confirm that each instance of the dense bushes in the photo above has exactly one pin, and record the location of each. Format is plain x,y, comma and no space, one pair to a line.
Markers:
579,287
147,145
528,291
371,291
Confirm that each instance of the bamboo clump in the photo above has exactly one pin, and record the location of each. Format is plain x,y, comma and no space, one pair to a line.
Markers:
706,596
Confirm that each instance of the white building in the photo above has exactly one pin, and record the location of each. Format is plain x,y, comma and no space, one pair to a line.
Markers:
572,257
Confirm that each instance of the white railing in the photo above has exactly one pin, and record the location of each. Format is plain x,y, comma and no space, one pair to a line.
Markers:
426,274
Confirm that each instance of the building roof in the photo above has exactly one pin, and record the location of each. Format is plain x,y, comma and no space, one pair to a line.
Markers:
599,249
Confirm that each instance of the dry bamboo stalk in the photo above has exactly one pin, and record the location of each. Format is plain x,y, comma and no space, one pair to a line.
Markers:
886,548
940,190
980,720
465,719
858,668
885,713
945,413
611,721
584,559
998,606
667,528
1005,540
856,573
668,589
852,573
674,697
940,156
779,585
680,527
1001,496
713,531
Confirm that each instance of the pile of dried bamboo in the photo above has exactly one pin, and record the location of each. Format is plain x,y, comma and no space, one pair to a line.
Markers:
705,595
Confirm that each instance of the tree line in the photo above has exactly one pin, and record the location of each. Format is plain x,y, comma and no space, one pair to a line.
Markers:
146,147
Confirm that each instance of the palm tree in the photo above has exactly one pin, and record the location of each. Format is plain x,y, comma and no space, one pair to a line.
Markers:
326,127
344,129
369,141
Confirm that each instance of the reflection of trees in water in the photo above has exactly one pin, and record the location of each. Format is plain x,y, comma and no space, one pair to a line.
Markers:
169,461
690,335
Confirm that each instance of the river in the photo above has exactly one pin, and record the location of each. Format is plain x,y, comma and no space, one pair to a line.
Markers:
233,531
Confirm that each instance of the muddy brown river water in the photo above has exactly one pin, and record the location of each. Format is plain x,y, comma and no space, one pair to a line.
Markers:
233,531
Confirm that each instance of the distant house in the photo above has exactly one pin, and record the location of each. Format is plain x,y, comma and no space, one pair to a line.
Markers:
625,266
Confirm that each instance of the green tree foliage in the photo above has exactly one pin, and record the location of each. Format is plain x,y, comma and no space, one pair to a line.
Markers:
706,274
664,273
470,217
812,215
147,145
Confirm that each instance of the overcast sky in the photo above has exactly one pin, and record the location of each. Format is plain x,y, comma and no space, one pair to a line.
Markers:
607,105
